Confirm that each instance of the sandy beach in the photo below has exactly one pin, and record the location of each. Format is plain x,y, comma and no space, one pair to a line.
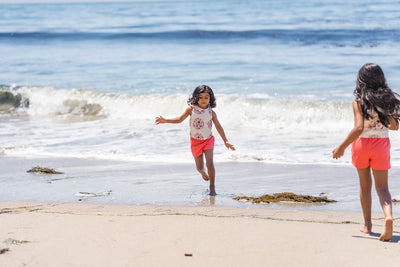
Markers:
121,229
81,234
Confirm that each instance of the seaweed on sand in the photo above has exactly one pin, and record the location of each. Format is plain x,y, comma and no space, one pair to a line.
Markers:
285,196
4,250
42,170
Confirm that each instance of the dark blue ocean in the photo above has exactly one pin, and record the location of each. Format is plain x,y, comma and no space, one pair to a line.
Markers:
89,78
284,48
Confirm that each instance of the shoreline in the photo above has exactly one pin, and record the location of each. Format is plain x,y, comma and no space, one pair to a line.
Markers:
81,234
146,183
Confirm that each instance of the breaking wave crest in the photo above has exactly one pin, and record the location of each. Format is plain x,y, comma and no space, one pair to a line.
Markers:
85,123
251,112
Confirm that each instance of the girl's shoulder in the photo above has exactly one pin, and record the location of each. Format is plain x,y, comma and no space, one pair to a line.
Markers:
356,104
189,110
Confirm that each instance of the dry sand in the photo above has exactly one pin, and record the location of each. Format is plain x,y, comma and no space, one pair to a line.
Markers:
120,235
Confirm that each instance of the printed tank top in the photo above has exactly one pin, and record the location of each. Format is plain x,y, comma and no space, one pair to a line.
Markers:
201,123
373,128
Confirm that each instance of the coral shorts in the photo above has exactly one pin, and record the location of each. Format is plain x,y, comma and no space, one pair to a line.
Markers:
198,146
371,152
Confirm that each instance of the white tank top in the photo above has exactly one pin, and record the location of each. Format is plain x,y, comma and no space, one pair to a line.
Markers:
373,128
201,123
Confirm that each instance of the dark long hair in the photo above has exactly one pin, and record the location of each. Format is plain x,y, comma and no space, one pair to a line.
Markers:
372,92
194,99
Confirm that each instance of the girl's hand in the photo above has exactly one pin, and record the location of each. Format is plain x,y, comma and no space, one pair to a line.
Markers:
229,146
159,120
338,152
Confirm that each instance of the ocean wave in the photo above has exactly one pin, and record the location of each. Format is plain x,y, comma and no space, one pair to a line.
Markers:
257,112
45,101
90,124
304,36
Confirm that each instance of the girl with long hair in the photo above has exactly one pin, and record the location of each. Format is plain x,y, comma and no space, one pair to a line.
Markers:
376,110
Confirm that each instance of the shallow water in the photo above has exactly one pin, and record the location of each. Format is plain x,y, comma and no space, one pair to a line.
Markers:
139,183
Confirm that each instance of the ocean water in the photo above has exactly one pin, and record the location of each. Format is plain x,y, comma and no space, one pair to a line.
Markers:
87,79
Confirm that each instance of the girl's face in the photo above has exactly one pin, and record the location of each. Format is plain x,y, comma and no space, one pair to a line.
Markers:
204,100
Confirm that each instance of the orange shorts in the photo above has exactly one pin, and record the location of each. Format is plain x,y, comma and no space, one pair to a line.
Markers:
198,146
371,152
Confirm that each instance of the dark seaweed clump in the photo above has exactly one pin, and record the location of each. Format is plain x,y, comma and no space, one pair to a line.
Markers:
42,170
286,196
4,250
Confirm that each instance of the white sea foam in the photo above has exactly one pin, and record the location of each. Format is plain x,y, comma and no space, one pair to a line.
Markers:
254,112
89,124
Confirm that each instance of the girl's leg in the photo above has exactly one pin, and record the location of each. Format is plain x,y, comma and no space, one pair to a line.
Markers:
209,153
200,167
382,189
365,198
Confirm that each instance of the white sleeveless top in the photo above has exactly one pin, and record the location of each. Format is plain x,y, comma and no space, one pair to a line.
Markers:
201,123
373,128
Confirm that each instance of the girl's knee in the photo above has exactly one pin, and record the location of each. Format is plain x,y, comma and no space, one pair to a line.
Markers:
210,165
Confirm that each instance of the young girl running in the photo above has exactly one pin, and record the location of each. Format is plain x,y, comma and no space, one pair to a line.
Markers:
376,109
201,139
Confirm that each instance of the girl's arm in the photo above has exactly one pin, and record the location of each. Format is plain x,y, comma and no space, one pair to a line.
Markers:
221,131
179,119
393,124
354,133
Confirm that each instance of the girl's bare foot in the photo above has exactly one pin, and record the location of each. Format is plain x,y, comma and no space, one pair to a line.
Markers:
212,191
367,228
205,176
388,231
